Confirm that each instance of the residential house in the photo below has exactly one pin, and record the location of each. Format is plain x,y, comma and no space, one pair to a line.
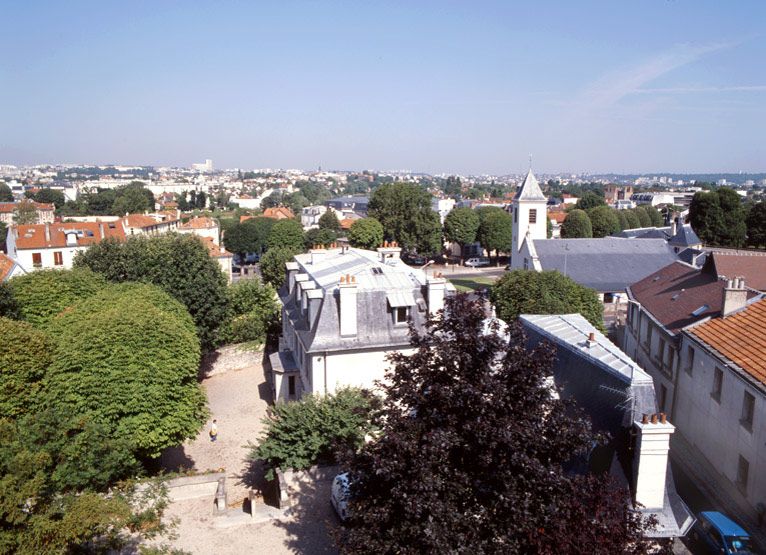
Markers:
202,226
662,305
224,258
150,224
721,400
349,204
44,246
614,193
729,264
310,216
9,268
343,311
45,212
618,396
279,213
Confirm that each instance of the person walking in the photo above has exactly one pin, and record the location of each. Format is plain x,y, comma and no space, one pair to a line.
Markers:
214,430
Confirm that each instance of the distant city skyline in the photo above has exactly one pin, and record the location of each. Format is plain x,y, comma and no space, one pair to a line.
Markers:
447,87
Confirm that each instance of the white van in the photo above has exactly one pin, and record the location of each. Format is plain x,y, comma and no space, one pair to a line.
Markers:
477,261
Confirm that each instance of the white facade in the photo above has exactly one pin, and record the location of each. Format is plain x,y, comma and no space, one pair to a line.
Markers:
529,212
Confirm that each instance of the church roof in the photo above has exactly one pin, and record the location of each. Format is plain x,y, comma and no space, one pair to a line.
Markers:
530,189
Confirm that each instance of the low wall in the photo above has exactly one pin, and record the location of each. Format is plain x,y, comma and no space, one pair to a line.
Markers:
229,358
194,487
289,482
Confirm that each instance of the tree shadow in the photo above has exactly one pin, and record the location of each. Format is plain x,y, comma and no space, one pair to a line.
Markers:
175,459
206,364
265,391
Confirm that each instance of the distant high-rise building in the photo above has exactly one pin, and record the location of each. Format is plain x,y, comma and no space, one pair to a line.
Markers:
207,166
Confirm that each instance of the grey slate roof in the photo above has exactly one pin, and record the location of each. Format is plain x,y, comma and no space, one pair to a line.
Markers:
530,189
694,257
685,237
614,392
645,233
609,264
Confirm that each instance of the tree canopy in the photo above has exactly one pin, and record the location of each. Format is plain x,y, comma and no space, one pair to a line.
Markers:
253,311
404,210
248,236
576,225
550,292
718,217
6,195
25,354
756,225
273,265
604,221
330,221
49,196
25,213
589,200
495,229
461,225
366,233
179,264
471,451
286,234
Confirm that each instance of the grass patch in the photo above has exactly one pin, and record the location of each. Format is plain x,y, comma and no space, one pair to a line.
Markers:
471,284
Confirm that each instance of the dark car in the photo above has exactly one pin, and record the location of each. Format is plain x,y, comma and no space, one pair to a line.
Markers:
414,259
717,533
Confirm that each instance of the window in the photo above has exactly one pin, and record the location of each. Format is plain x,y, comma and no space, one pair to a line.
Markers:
717,385
401,313
291,385
533,215
526,263
661,353
37,259
516,214
743,469
58,259
648,338
748,408
663,397
689,359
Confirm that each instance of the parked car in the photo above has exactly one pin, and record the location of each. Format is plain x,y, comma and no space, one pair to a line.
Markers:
339,495
717,533
477,261
414,259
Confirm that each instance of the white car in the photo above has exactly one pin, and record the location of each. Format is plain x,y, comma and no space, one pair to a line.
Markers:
339,495
478,261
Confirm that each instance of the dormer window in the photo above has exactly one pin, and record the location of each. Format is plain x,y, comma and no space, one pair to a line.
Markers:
401,313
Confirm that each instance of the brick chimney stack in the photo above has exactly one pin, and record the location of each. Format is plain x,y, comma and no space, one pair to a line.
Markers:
734,296
650,459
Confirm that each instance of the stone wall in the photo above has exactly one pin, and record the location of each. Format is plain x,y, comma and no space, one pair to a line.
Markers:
290,482
230,358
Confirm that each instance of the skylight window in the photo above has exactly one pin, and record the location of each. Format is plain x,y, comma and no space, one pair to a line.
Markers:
700,310
377,270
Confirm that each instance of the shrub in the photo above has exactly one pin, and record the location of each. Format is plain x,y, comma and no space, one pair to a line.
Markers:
576,225
43,294
310,431
253,311
273,265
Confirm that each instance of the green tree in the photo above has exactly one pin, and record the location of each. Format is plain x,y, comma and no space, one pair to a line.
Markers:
733,230
128,357
50,196
524,292
6,195
366,233
705,216
643,218
576,225
604,221
179,264
25,213
453,186
548,228
301,434
201,200
460,226
622,220
404,210
101,202
330,221
756,226
248,236
286,234
43,294
9,307
471,454
272,265
589,200
132,199
25,354
253,311
272,201
495,229
317,236
631,219
654,215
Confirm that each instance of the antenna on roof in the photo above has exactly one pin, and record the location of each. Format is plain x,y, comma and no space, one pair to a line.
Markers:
530,162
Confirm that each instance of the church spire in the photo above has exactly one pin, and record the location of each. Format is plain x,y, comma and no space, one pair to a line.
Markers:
530,188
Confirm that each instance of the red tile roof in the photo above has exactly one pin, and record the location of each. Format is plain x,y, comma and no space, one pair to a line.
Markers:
739,338
10,207
216,251
749,265
34,236
6,265
200,222
674,292
279,213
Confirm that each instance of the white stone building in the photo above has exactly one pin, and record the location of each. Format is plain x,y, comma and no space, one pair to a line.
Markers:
344,310
529,211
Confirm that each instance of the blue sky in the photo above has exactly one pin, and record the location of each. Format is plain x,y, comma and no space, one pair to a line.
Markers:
469,87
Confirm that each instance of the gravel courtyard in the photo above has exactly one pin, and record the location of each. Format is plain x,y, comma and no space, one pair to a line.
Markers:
237,398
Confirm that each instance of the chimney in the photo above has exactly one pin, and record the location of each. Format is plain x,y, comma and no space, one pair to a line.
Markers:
390,251
292,270
734,296
348,291
299,278
674,227
650,460
436,286
591,341
305,288
318,254
47,233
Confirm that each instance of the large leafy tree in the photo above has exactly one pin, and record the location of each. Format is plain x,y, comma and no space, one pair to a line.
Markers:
132,198
756,225
25,213
576,225
718,217
301,434
128,357
286,234
366,233
733,231
603,221
272,265
50,196
404,210
248,236
330,221
9,306
631,220
495,229
25,354
179,264
471,453
644,219
6,195
460,226
319,236
524,292
253,311
101,201
589,200
43,294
